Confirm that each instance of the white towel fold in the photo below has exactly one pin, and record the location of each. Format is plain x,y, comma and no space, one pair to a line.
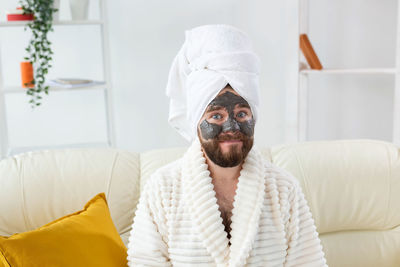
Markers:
211,57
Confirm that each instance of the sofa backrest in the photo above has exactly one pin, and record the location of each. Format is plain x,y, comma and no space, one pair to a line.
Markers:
39,187
352,188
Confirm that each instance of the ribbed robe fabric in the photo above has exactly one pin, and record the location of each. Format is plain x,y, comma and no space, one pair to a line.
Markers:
178,223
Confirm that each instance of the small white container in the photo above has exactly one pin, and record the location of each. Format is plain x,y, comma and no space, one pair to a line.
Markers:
79,9
56,15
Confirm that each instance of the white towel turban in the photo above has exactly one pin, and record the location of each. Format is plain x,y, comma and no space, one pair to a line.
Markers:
211,57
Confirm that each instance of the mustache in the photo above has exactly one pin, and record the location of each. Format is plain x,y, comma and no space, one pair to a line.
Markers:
235,136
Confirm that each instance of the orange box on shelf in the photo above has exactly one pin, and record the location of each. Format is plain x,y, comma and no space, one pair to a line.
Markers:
27,74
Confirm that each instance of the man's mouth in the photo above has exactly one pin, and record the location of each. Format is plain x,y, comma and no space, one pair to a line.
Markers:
230,141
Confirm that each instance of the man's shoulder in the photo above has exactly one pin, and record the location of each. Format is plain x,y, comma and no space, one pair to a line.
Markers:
272,170
169,169
166,174
282,176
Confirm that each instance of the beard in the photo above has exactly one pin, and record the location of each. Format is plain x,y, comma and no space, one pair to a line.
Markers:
234,156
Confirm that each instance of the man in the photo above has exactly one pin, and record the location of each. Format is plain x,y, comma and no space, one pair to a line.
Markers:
222,203
226,136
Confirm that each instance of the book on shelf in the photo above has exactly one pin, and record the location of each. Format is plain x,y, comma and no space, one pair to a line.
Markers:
18,15
309,53
73,83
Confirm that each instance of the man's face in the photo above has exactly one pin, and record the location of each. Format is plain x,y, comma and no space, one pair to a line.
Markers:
226,129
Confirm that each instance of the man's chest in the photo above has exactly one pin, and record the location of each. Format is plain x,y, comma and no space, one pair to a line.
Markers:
225,207
225,194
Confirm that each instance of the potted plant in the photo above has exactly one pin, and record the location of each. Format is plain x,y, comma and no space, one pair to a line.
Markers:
39,48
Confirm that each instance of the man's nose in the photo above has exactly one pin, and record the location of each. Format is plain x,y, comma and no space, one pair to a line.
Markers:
231,125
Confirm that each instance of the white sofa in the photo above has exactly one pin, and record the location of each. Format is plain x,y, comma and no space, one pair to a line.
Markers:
352,187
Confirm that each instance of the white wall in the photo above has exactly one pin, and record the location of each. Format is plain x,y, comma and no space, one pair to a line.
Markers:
352,34
153,32
146,35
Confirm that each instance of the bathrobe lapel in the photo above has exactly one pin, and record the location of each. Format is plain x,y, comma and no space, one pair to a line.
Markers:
203,205
206,216
247,208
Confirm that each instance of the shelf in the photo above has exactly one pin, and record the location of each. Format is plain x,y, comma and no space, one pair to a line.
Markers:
350,71
17,89
55,23
99,22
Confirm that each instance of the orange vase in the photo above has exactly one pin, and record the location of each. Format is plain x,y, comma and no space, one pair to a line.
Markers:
27,74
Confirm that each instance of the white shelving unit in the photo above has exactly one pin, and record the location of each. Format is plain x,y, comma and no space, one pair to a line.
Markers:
106,88
297,87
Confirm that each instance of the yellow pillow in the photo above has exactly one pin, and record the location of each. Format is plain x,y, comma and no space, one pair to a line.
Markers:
3,262
84,238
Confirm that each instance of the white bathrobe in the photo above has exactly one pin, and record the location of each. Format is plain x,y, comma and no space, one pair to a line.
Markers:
178,222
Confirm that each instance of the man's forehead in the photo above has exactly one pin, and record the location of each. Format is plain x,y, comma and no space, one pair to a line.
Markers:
212,107
228,98
227,89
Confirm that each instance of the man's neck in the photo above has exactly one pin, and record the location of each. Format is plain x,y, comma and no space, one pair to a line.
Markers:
221,173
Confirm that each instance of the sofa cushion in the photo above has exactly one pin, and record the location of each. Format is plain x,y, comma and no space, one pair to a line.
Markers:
84,238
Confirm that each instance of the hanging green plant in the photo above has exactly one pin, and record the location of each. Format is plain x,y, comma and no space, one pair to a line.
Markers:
39,48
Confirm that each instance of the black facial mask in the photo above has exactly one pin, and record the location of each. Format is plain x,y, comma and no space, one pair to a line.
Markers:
227,100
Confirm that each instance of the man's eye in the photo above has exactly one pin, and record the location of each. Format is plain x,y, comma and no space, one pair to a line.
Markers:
216,116
241,114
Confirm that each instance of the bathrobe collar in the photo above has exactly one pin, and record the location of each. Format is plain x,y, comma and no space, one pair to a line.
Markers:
199,192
